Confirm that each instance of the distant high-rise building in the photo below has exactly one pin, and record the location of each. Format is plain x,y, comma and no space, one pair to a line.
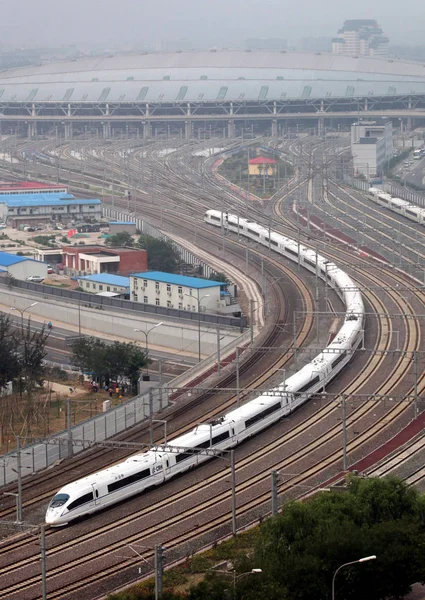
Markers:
360,37
266,44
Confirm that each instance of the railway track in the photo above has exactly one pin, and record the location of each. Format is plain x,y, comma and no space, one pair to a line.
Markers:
199,503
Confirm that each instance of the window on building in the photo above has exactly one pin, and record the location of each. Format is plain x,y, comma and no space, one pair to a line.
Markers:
190,291
136,297
135,282
145,282
94,286
101,288
157,303
115,289
145,299
87,284
156,285
91,207
193,307
180,289
168,287
188,307
168,303
180,305
108,288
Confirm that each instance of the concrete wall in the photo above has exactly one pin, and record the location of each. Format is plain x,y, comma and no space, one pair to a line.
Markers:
170,335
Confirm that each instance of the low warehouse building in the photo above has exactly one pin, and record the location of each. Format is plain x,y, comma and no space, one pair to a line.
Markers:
121,226
105,282
32,209
22,267
176,291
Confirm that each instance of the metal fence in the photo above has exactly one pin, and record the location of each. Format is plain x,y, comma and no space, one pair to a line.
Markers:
43,454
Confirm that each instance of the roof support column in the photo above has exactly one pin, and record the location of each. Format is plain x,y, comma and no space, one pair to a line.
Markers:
147,130
187,130
68,130
32,129
321,126
365,105
274,128
231,128
106,129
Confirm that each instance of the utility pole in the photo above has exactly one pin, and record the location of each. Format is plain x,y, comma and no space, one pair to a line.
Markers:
158,571
43,561
68,428
275,475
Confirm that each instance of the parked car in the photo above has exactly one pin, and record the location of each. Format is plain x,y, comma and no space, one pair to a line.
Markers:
50,269
35,278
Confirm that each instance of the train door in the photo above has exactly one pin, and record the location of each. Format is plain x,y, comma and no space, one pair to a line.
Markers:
95,494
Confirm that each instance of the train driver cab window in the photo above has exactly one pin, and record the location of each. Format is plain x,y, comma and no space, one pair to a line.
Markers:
59,500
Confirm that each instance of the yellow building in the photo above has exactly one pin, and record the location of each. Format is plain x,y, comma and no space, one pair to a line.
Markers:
261,165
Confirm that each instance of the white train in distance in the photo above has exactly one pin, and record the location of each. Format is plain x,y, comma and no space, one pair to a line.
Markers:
402,207
151,468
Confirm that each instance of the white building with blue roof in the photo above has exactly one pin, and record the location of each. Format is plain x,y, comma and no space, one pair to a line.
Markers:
21,267
105,283
44,208
176,291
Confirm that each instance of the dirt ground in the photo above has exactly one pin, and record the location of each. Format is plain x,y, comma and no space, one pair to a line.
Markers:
45,413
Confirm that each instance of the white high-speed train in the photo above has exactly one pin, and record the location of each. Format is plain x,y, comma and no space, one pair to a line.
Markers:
398,205
148,469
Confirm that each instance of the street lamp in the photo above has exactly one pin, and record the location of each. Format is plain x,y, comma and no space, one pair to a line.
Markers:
199,300
361,560
22,310
146,334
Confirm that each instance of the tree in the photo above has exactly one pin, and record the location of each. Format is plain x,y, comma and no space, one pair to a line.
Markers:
32,352
123,238
219,277
162,255
300,550
9,362
108,362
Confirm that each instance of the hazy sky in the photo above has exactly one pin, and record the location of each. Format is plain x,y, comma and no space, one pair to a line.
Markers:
211,22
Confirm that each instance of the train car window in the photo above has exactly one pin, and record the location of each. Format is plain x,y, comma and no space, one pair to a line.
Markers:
309,262
410,212
339,358
308,385
59,500
183,456
214,218
254,232
219,438
81,500
289,251
262,415
112,487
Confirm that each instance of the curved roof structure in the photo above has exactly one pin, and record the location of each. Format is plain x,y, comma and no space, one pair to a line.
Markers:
214,76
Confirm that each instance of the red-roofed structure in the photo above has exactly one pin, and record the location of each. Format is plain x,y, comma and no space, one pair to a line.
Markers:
262,160
262,165
30,187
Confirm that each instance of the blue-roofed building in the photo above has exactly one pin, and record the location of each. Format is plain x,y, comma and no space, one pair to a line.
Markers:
22,267
16,209
121,226
106,284
177,291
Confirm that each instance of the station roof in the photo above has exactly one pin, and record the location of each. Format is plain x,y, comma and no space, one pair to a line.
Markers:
107,278
7,260
60,199
183,280
210,76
